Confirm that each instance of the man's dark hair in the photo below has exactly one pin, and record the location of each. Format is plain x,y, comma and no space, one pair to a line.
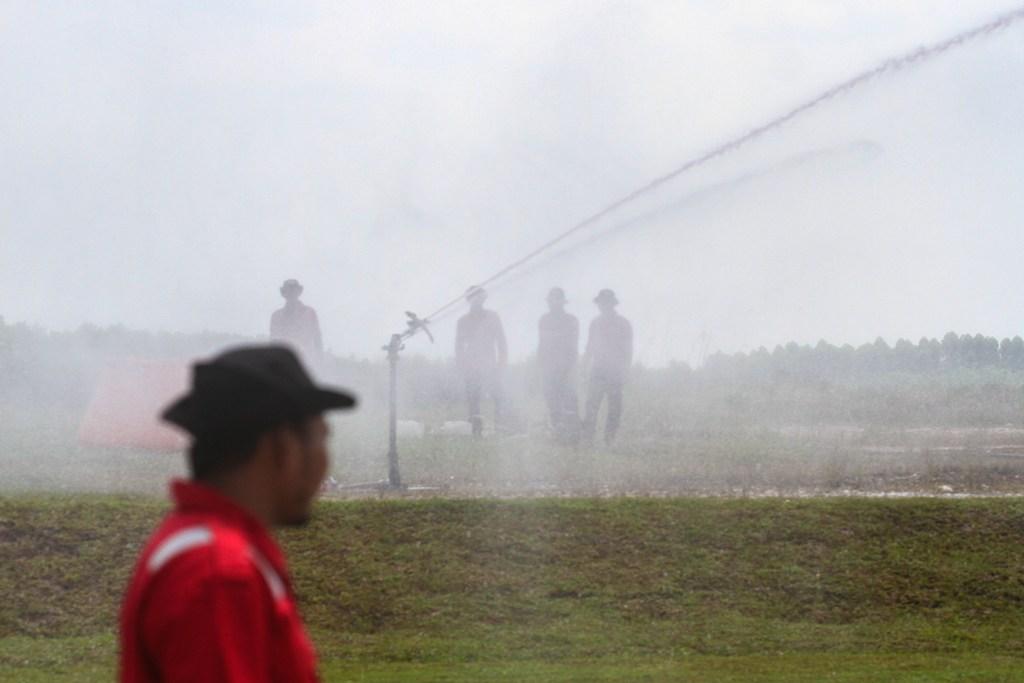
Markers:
212,455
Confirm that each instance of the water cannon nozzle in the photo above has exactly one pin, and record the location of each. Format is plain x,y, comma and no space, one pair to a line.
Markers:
415,323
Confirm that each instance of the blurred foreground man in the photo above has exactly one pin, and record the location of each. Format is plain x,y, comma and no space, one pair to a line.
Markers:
607,360
480,354
297,324
557,353
210,599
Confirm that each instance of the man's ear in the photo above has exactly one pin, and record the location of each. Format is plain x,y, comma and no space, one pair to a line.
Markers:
283,446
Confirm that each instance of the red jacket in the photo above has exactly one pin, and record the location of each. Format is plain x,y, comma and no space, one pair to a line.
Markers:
210,600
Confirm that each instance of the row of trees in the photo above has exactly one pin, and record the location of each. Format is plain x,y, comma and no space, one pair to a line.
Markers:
958,380
21,344
827,361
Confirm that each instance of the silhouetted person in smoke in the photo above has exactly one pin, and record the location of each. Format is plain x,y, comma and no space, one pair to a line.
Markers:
296,324
557,353
480,354
606,361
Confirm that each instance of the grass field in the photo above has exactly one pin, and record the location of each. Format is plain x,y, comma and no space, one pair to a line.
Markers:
618,589
43,456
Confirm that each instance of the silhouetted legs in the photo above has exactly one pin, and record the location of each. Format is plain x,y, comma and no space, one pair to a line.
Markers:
563,407
597,389
479,382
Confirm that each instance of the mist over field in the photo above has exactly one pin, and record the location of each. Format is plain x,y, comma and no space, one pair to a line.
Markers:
810,212
166,169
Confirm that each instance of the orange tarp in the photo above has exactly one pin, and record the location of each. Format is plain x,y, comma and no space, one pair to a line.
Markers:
125,408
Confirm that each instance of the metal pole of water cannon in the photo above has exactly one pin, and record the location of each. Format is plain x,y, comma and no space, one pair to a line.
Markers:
393,347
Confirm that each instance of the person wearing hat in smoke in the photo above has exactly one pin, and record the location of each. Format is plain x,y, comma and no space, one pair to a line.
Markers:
606,361
480,354
297,324
557,353
210,598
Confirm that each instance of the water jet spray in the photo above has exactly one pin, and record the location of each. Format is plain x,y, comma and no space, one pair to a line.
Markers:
884,68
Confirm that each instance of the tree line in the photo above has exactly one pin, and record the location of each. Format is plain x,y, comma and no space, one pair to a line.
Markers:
827,361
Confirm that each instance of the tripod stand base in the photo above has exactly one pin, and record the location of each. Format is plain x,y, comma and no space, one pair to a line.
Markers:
385,485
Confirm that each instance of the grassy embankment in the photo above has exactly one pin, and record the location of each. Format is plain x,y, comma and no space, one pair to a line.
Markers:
573,590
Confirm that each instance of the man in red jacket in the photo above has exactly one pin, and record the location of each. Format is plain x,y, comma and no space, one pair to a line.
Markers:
210,598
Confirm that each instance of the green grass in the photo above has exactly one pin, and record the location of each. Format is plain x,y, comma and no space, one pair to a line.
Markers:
572,590
707,669
775,668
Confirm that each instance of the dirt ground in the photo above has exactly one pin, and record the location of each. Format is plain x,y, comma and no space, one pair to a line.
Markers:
792,461
830,461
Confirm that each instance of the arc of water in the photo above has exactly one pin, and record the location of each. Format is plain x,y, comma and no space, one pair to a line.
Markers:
886,67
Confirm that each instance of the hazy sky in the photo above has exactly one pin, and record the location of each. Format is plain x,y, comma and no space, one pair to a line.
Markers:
167,165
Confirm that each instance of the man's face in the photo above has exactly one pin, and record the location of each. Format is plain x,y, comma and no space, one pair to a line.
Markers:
606,307
477,303
303,465
556,305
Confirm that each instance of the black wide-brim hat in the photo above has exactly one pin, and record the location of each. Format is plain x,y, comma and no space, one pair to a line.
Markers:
557,294
291,286
476,292
251,388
